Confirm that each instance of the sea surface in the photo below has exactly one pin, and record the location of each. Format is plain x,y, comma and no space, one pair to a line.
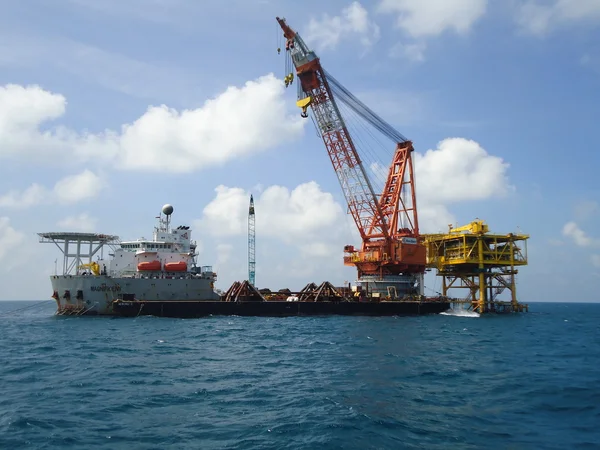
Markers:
528,381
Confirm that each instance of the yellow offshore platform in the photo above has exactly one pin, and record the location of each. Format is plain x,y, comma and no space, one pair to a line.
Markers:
470,257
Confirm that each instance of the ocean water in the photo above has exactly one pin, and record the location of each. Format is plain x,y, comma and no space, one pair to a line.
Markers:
529,381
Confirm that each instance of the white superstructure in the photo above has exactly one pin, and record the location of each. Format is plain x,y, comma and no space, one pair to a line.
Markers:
162,268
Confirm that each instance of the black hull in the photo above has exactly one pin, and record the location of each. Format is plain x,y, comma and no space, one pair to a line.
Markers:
191,309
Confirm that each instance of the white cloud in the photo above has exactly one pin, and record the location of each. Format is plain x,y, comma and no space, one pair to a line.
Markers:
319,249
289,216
17,250
426,18
572,231
459,170
69,190
301,231
227,214
31,196
237,123
434,217
24,107
224,252
24,110
327,32
298,215
10,241
75,188
308,223
414,52
82,222
580,237
540,18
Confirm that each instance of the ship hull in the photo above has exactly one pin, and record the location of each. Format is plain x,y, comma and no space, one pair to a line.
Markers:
94,295
192,309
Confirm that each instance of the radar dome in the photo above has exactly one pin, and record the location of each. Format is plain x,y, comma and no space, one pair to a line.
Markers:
167,209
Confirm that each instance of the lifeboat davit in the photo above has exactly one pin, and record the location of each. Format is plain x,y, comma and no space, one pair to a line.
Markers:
149,265
179,266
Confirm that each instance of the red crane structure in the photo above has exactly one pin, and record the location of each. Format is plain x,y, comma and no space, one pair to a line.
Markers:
392,259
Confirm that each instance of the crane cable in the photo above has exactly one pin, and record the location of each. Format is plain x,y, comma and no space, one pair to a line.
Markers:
363,110
368,153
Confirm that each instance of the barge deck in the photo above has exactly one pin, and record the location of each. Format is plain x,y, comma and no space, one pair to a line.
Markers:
194,309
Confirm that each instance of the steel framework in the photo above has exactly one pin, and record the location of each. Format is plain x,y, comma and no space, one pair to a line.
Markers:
78,248
470,258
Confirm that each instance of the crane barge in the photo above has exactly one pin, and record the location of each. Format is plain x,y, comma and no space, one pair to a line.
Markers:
392,259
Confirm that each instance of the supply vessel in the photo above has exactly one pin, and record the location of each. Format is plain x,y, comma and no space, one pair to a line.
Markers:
99,268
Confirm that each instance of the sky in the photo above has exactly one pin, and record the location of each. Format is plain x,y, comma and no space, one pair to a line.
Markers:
108,110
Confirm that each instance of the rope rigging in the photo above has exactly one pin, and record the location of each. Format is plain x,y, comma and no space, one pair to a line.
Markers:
6,313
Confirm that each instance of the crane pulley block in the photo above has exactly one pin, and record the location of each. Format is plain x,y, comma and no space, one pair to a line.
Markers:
304,103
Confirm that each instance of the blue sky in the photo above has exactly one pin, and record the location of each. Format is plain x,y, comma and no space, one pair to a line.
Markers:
110,109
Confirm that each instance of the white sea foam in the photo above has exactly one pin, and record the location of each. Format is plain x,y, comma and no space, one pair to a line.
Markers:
460,313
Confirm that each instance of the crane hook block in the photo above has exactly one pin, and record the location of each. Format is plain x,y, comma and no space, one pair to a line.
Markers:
304,103
278,50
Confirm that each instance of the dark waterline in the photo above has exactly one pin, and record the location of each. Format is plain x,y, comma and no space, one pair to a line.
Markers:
519,381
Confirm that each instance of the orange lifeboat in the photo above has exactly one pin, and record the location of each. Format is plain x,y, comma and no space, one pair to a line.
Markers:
149,265
179,266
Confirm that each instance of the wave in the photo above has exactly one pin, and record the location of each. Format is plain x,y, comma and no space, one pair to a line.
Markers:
460,313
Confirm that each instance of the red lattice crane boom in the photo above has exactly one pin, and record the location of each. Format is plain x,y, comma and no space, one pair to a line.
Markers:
388,223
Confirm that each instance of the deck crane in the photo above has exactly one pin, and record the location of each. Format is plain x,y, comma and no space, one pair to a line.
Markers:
392,259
